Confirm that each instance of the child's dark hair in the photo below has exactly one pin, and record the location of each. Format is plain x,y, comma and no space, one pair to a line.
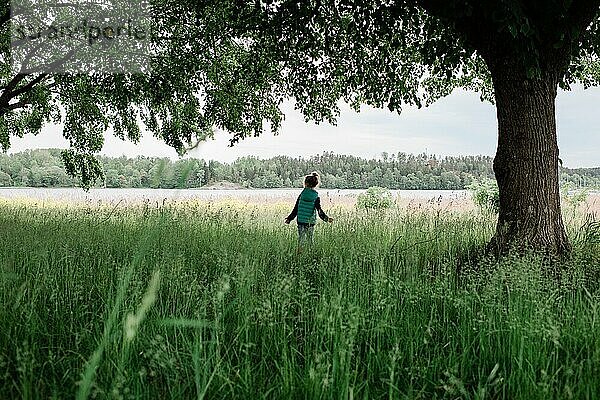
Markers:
311,180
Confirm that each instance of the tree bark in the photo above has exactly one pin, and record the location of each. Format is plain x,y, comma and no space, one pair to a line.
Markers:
526,163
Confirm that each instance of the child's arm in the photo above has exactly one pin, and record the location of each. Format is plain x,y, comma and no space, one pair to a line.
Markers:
293,213
322,214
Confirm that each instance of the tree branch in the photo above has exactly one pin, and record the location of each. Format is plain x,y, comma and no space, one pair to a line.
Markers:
470,24
49,68
9,87
28,86
582,13
14,106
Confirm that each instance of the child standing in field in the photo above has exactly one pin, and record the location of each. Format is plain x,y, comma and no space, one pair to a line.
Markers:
307,206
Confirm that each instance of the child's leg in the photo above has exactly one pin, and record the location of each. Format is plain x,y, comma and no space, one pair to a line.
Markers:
302,233
310,230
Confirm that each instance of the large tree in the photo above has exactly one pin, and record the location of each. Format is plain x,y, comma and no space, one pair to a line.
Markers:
390,53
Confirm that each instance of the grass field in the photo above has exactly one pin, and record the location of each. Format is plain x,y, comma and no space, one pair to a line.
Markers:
207,300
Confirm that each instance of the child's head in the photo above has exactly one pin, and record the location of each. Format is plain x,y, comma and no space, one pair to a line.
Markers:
312,180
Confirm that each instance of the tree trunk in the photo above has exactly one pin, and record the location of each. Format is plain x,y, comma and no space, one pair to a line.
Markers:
526,163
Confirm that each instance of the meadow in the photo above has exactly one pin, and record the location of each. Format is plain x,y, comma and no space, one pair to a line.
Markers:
211,300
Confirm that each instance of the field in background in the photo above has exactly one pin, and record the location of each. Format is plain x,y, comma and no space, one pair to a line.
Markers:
100,196
211,300
137,195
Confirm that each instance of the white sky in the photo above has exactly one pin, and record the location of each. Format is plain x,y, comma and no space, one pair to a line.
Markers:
459,124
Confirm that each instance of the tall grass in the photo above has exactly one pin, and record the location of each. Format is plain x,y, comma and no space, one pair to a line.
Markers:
204,300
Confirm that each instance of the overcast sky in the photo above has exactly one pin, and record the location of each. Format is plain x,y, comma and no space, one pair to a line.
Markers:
459,124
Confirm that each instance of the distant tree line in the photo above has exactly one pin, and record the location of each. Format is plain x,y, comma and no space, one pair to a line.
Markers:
43,168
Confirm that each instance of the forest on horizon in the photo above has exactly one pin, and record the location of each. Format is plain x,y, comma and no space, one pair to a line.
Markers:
44,168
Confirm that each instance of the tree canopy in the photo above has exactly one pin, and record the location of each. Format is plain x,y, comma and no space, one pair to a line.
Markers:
230,64
179,99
